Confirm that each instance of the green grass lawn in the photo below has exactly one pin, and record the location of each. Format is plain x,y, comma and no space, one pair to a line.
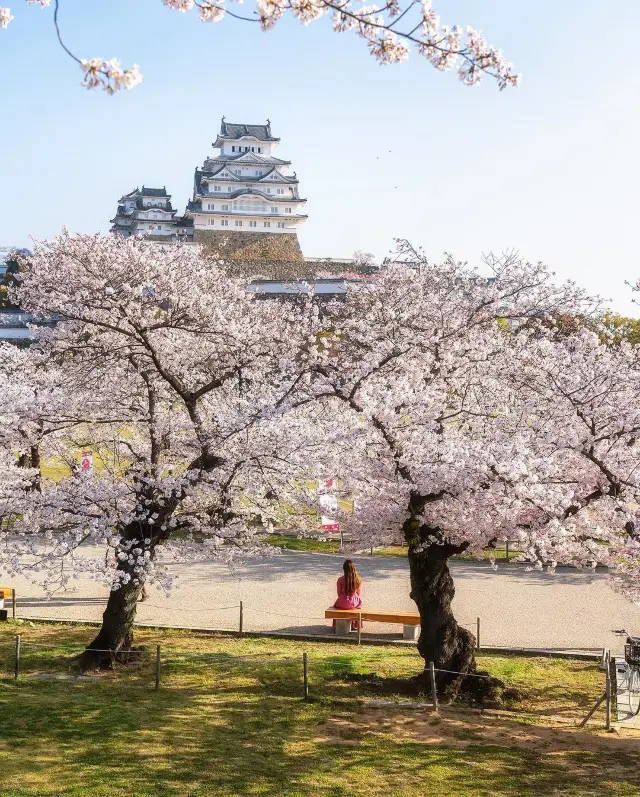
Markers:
314,545
229,719
302,544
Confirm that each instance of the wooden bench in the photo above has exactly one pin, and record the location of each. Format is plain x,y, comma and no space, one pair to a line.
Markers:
410,621
8,592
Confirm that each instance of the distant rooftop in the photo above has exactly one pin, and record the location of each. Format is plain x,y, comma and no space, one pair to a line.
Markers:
154,191
147,192
231,130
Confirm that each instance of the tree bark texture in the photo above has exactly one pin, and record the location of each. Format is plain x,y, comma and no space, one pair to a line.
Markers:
442,641
115,638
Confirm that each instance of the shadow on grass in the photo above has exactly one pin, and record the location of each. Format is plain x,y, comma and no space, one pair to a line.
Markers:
229,719
234,739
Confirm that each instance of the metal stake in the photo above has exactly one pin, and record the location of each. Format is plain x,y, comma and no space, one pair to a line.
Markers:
434,693
613,688
305,670
608,705
157,667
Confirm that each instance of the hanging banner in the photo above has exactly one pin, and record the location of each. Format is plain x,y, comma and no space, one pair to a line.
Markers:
329,506
86,461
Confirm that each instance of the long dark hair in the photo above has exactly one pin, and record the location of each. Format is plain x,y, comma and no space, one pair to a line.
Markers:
352,580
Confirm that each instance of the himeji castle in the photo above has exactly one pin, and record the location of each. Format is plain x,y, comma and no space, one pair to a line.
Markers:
245,186
246,203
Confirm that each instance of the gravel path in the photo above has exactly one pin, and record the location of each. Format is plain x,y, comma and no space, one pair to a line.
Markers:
289,592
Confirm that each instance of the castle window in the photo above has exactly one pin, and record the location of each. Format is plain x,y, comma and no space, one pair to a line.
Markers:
287,210
216,187
280,190
274,209
212,222
224,222
253,224
259,149
267,224
225,207
281,224
233,149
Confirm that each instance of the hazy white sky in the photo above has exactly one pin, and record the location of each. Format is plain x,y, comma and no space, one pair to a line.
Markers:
551,168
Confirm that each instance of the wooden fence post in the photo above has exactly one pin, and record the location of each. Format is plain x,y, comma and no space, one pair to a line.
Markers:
16,668
608,704
241,620
305,674
477,633
612,689
13,605
157,667
434,693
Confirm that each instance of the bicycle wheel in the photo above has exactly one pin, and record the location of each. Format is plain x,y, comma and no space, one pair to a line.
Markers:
634,690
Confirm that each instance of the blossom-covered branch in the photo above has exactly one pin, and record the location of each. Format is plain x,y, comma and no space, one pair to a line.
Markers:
389,30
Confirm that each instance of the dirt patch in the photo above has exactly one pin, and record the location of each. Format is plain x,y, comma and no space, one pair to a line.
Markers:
478,689
459,729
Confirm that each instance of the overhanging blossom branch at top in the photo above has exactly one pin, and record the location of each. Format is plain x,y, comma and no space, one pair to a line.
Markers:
446,48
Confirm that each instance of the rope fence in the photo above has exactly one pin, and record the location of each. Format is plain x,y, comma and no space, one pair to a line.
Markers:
241,608
302,675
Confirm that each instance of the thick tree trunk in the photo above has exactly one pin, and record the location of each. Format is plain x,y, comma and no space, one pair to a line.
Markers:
442,641
115,637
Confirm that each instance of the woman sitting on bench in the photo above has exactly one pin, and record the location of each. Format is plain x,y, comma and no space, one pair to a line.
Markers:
349,590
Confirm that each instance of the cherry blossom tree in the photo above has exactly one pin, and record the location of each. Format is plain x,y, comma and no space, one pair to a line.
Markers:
390,31
468,439
453,407
179,381
584,508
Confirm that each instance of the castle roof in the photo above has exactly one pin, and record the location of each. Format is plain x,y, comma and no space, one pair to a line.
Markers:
154,191
210,175
194,206
273,198
201,177
124,211
248,157
137,192
229,130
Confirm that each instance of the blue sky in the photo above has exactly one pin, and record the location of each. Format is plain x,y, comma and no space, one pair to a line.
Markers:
551,168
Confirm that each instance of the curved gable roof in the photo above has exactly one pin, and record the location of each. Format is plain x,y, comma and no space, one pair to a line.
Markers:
232,130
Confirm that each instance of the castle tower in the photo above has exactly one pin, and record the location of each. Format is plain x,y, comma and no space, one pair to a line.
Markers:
245,197
148,211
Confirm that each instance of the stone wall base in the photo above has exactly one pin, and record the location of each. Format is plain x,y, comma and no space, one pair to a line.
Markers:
249,246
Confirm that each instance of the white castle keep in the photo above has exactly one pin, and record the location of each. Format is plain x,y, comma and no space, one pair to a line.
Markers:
243,188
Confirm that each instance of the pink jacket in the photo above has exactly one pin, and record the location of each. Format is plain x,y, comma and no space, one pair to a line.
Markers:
345,601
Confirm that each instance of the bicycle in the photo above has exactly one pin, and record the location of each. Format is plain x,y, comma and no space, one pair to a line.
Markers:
632,657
